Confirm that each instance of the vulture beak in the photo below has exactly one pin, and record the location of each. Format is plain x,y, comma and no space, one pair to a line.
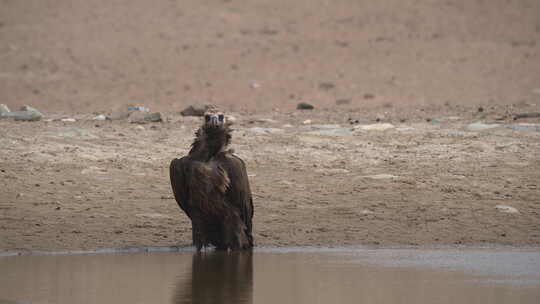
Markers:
214,121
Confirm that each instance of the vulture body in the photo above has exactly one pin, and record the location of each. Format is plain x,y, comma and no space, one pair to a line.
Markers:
211,186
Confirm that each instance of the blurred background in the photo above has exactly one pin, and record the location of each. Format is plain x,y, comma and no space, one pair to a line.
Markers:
259,55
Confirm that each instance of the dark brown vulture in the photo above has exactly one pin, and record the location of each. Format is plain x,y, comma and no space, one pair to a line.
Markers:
211,186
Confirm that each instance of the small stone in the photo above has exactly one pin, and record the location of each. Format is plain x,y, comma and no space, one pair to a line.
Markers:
358,121
153,117
375,127
22,116
506,209
142,118
480,109
369,96
138,108
100,117
479,126
196,110
527,115
68,119
141,128
326,86
304,106
366,212
119,116
4,109
26,113
254,85
325,127
29,108
306,122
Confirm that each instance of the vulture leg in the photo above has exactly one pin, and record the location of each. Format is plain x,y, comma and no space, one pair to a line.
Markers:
197,232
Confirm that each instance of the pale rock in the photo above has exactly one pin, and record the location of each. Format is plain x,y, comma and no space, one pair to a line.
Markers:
479,126
506,209
375,127
4,109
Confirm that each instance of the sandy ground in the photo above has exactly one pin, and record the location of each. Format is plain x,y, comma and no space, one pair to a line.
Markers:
90,184
82,56
93,184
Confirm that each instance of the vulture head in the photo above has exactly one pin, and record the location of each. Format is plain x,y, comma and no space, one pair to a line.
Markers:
214,120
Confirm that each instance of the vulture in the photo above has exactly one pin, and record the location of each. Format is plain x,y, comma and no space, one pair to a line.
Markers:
211,186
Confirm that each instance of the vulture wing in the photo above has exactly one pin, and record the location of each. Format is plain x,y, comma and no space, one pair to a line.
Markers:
239,191
179,172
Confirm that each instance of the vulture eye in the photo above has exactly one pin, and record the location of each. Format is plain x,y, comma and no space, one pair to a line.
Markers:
220,117
207,118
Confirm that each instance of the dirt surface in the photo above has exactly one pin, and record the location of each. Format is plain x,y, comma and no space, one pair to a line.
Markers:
82,56
424,66
105,184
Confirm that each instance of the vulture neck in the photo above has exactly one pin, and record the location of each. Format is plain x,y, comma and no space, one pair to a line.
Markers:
209,142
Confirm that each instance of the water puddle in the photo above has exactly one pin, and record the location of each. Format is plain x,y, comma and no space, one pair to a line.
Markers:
290,275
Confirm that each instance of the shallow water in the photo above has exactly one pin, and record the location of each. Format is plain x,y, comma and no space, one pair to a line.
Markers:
293,275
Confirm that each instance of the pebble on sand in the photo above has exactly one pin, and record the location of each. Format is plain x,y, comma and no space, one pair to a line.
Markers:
26,113
375,127
138,108
4,109
479,126
142,117
118,116
195,110
304,106
506,209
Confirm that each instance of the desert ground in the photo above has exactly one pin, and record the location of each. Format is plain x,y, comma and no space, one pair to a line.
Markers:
104,184
412,140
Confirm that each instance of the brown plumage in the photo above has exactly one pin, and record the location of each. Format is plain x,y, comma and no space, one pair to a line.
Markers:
211,186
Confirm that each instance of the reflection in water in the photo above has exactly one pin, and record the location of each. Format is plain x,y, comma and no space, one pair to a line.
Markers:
218,277
285,277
